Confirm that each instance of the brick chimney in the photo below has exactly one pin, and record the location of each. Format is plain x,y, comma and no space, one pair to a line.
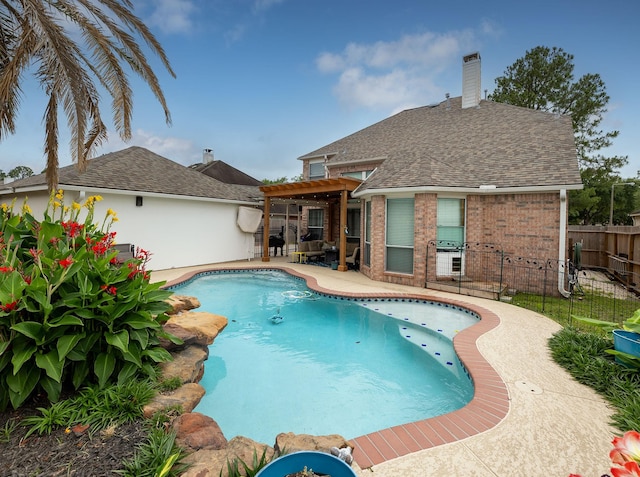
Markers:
471,80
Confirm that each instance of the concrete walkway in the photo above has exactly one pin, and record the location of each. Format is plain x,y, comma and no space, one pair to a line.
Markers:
555,426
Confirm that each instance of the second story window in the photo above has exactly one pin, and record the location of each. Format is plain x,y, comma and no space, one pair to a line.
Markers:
316,170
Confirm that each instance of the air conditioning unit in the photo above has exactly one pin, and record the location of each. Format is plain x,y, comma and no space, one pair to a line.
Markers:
449,264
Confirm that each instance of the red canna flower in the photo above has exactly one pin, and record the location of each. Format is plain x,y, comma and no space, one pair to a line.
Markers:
9,306
110,289
65,262
72,229
6,269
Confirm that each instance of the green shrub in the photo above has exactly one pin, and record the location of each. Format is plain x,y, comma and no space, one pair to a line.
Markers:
70,313
586,357
159,456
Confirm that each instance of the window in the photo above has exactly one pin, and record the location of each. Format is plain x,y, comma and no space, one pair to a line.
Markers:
316,224
450,223
362,175
366,259
400,214
316,170
353,223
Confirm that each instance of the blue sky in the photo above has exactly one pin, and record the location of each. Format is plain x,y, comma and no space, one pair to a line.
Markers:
262,82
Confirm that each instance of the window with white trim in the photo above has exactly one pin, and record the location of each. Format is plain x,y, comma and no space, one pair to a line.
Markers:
362,175
399,235
450,223
316,170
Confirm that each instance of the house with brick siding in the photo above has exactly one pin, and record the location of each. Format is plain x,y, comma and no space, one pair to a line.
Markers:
440,181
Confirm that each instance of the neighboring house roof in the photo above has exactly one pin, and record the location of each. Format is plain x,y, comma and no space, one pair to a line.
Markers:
225,173
137,169
446,146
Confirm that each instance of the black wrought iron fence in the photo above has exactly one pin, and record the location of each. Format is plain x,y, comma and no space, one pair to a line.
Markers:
554,288
277,233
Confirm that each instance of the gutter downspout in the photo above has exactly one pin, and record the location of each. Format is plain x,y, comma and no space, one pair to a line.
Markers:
562,259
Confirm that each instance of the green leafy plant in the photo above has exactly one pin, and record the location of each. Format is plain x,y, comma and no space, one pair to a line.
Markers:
159,456
631,324
239,468
7,430
94,407
584,355
70,312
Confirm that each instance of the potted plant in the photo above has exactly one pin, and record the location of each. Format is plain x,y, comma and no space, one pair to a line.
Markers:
308,464
626,341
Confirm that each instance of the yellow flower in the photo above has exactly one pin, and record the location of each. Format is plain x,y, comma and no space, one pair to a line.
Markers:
26,209
111,212
92,200
60,194
5,207
75,206
114,219
56,204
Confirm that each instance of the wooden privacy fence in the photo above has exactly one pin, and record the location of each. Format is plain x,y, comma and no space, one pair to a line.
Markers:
615,249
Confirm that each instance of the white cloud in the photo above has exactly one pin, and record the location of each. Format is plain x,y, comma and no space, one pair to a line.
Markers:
173,16
178,150
400,73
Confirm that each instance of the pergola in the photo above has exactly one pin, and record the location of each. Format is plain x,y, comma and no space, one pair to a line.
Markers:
320,193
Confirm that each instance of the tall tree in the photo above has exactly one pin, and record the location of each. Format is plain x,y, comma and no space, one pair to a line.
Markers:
20,172
544,80
38,36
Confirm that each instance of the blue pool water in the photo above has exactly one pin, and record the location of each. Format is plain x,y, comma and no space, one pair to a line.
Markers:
291,360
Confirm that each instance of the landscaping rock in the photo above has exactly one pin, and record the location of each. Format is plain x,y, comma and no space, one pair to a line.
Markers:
187,396
288,442
194,328
187,364
181,303
209,463
195,431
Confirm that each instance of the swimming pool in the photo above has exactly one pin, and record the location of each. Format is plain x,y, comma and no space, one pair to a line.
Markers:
327,364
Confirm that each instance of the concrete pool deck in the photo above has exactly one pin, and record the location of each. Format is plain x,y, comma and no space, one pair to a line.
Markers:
551,425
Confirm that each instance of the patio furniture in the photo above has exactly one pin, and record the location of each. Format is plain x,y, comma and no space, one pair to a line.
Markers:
353,260
299,257
312,249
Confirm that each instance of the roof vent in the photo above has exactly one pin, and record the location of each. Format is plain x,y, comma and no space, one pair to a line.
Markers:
471,80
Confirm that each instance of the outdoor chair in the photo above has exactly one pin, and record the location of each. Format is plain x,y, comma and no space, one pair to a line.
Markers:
353,260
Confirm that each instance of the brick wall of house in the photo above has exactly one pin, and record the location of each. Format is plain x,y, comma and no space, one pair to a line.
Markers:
525,225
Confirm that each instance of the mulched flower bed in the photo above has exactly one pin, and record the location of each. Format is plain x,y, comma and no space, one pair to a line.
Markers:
62,453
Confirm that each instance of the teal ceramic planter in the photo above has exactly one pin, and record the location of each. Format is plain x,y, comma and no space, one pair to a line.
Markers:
627,342
319,462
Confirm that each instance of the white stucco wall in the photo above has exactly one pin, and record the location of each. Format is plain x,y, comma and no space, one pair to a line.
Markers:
178,232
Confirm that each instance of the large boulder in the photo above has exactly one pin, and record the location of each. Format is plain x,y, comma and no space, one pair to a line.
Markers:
195,431
181,303
187,397
187,364
194,328
288,442
210,463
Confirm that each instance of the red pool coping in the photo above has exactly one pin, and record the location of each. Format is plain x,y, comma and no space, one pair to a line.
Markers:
488,407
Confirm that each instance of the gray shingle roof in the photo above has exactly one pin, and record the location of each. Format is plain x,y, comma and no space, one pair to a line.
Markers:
447,146
139,170
225,173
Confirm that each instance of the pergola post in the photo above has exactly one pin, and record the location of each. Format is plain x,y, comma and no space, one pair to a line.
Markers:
344,196
265,231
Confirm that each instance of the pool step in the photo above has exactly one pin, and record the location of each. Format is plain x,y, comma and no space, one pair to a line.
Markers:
432,342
